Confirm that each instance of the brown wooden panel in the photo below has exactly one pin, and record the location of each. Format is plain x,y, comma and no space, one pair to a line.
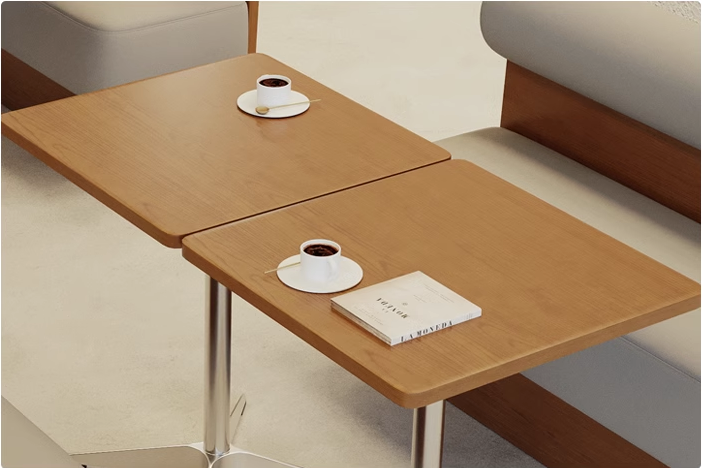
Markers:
253,25
547,428
619,147
23,86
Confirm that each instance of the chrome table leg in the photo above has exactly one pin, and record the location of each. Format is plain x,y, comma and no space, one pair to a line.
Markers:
220,423
428,436
221,420
218,346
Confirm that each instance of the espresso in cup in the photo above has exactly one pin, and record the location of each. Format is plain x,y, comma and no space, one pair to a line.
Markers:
320,250
273,82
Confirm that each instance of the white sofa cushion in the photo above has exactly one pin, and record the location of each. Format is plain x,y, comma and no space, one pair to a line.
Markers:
86,46
122,16
631,392
645,386
634,57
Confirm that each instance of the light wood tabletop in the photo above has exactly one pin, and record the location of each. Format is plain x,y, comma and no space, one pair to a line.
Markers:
549,285
174,155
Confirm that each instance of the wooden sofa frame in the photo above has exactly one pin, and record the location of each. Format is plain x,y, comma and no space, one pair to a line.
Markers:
640,157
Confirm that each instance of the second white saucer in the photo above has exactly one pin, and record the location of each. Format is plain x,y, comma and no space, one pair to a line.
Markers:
247,103
350,274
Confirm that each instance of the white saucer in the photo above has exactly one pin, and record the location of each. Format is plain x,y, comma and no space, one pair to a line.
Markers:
247,103
350,274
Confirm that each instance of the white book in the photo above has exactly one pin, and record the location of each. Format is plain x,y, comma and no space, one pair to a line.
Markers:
405,308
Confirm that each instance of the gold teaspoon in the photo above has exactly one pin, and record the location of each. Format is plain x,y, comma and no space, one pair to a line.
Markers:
263,110
281,268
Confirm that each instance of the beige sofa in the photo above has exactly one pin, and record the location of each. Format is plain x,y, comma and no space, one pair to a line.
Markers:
614,86
52,50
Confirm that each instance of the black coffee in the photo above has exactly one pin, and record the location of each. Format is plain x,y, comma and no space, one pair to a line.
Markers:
321,250
273,82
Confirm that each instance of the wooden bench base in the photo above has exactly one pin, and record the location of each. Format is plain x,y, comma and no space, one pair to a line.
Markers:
548,429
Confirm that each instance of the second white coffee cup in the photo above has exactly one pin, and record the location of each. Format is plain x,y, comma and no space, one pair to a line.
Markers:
320,259
270,92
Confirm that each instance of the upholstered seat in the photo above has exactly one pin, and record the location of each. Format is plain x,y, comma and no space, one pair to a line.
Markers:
633,57
86,46
614,85
24,445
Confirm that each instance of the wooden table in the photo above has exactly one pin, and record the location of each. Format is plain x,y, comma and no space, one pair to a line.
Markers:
549,285
174,155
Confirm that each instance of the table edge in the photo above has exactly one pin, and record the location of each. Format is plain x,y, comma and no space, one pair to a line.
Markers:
414,399
160,235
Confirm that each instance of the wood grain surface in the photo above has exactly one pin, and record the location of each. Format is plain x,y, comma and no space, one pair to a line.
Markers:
548,284
252,8
619,147
23,86
174,154
547,428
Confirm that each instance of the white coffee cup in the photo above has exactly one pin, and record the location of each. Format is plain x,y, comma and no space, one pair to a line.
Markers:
270,96
320,268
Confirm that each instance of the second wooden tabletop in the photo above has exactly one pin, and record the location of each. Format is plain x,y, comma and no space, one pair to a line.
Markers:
548,284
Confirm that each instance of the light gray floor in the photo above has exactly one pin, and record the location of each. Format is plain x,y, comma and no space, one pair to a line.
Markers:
102,328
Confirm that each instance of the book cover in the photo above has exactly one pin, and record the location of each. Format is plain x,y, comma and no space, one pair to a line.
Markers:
405,308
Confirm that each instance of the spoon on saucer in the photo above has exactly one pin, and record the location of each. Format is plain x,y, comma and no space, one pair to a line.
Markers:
263,110
281,268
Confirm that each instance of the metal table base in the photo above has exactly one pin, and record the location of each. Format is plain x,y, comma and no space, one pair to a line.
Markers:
221,422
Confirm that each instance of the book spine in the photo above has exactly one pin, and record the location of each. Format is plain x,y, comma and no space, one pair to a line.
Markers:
361,323
432,329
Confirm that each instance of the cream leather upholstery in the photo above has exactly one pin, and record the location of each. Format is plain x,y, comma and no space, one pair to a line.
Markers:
631,56
643,385
24,445
86,46
644,62
123,16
